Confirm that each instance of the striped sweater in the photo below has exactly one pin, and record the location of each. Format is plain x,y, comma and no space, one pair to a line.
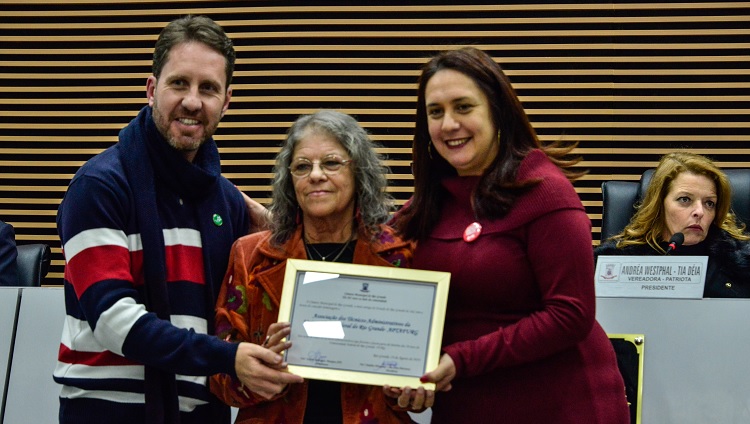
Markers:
108,334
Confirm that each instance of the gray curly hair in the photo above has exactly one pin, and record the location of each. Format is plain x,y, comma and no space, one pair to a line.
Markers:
373,204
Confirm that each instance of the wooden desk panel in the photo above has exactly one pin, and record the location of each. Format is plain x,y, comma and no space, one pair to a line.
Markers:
695,358
8,307
32,394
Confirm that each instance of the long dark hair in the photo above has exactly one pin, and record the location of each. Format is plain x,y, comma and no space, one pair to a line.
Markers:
498,188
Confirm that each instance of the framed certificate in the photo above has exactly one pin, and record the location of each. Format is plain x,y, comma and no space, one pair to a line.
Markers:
363,324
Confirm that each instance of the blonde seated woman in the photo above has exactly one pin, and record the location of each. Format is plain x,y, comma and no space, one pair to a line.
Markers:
689,194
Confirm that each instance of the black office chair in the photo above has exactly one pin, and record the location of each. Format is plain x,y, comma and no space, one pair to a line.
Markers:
620,198
33,264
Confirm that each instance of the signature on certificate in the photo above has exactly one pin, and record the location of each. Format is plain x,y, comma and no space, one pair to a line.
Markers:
389,364
315,355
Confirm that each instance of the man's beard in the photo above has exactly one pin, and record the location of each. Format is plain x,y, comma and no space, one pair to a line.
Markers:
163,126
183,147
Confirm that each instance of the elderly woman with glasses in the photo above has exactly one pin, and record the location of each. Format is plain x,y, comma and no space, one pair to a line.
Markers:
329,204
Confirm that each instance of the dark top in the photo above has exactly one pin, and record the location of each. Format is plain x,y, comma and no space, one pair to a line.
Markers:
324,397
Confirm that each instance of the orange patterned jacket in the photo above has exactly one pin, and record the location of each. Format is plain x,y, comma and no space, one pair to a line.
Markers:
248,304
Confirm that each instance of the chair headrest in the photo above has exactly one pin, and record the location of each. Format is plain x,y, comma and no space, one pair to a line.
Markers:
740,181
645,181
33,263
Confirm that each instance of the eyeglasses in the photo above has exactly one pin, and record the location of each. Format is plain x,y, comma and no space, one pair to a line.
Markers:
330,165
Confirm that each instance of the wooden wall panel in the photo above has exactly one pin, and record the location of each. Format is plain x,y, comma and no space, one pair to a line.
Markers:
629,80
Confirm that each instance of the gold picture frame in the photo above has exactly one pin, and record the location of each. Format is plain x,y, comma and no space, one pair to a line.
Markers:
363,324
629,349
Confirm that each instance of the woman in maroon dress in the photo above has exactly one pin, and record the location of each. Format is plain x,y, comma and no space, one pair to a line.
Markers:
495,207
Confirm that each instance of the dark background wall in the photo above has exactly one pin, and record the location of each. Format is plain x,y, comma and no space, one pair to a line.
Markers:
629,80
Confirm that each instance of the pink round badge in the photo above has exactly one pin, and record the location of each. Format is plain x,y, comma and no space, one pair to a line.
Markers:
472,232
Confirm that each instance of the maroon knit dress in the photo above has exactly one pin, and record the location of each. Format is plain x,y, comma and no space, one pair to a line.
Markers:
520,324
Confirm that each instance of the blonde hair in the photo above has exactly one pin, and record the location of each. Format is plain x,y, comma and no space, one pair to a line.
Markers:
648,224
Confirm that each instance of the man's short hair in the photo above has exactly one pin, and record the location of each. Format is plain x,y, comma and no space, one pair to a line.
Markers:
200,29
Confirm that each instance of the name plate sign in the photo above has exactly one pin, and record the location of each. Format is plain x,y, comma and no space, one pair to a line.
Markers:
651,276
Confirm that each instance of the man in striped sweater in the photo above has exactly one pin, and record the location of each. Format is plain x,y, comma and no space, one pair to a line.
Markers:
146,228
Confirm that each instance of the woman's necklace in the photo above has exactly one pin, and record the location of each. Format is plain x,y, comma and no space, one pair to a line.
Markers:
341,251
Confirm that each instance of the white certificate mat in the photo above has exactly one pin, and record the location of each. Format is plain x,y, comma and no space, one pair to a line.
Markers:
363,324
651,276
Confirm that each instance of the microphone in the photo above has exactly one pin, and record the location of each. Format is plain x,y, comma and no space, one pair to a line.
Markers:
675,242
